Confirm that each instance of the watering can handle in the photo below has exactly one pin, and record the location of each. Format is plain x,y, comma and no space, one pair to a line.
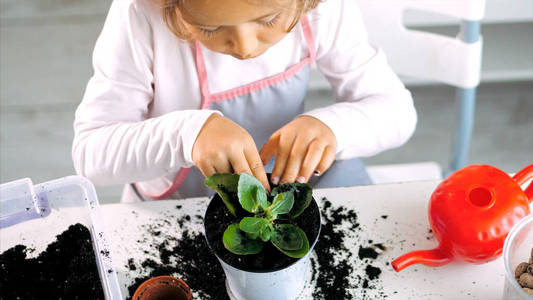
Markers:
522,177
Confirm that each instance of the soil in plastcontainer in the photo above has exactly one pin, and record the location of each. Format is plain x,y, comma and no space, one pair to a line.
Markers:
218,218
65,270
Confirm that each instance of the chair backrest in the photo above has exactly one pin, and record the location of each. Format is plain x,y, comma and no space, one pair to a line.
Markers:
455,61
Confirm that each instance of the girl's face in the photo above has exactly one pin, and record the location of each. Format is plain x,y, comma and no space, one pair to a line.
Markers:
241,28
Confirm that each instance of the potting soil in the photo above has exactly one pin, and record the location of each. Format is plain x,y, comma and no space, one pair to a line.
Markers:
270,258
65,270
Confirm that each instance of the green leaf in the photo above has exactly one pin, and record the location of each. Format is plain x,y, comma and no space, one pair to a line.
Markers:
286,237
282,204
303,195
286,187
297,253
261,197
252,236
265,234
248,194
235,241
252,224
226,186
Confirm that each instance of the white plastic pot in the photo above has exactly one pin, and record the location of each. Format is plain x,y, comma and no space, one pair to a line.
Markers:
283,284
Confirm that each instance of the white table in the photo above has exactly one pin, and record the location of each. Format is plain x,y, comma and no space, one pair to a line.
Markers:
406,228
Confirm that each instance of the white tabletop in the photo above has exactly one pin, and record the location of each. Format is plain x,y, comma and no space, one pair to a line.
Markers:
405,228
134,230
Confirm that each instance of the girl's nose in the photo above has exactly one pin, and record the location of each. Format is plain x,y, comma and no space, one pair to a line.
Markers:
243,41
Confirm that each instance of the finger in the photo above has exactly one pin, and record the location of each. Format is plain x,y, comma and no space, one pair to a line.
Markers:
297,155
327,159
284,149
269,149
257,167
239,163
207,169
314,154
223,166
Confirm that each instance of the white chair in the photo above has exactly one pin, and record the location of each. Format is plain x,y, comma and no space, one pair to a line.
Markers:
453,61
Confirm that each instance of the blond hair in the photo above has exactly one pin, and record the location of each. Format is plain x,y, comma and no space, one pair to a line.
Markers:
170,9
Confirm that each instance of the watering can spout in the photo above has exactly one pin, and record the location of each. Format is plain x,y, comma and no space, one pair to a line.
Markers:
524,176
433,258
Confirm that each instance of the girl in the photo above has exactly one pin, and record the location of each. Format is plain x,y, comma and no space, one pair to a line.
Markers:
188,88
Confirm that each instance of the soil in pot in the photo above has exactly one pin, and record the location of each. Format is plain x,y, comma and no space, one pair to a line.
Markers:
218,218
65,270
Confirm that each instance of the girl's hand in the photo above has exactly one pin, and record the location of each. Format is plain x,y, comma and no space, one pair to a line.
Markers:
222,146
303,147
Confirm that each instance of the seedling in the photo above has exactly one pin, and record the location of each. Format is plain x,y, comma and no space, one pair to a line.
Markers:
262,217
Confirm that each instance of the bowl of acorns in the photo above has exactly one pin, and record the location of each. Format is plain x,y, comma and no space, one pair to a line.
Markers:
518,259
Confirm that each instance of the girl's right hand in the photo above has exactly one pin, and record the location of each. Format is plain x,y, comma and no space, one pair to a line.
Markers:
222,146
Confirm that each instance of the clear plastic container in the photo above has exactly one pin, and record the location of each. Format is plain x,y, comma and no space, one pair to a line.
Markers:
34,214
517,249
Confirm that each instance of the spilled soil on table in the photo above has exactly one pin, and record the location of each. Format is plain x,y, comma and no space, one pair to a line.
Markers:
334,263
332,268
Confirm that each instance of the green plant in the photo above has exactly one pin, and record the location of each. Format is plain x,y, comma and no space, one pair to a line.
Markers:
262,217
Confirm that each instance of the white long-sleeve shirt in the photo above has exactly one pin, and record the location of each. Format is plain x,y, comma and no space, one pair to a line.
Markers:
140,114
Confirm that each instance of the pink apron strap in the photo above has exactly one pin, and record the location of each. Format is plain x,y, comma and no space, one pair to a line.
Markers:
204,89
309,38
202,75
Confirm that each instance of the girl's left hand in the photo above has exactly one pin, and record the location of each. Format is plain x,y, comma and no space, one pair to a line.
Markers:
303,147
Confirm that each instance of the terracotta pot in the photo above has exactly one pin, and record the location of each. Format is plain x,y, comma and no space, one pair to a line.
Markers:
163,288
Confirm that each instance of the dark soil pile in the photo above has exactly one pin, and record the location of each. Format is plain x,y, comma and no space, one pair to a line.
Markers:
270,258
201,270
65,270
333,280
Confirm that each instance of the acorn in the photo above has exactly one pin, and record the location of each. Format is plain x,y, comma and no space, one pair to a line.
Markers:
526,280
520,269
530,269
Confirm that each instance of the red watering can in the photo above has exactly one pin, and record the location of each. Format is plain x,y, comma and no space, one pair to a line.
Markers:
471,213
